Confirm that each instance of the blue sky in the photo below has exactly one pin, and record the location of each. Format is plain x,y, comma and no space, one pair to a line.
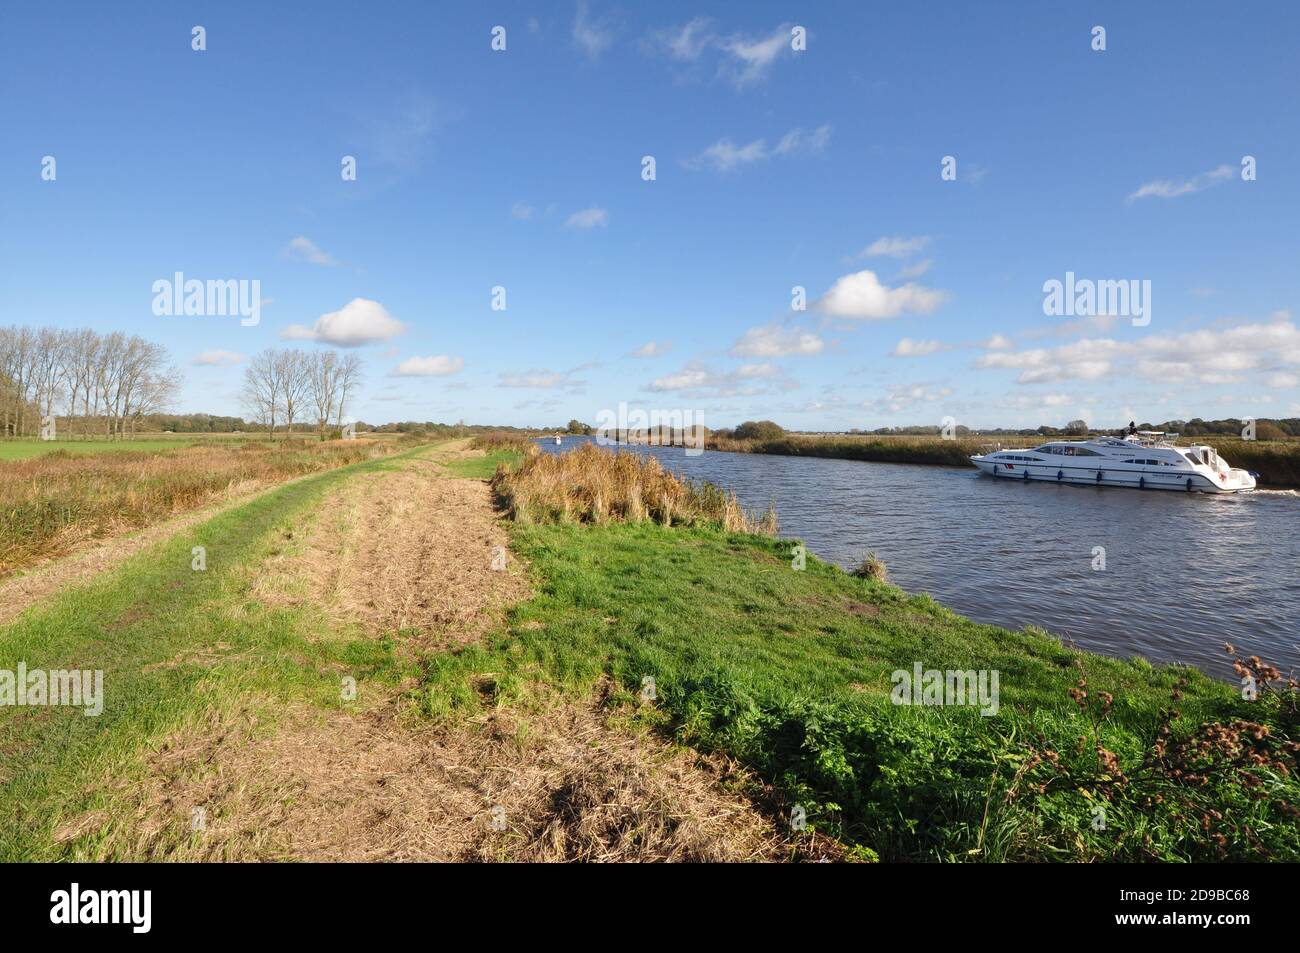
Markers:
775,168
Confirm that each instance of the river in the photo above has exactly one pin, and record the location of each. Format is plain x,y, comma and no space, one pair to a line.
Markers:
1183,572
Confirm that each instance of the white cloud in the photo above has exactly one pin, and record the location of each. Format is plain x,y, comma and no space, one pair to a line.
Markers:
303,248
772,340
1282,380
1170,188
997,342
358,322
861,295
541,379
916,270
522,210
590,37
217,359
895,247
901,398
724,155
910,348
752,58
441,365
690,377
796,141
699,381
687,42
1205,356
1036,401
651,349
588,218
1083,360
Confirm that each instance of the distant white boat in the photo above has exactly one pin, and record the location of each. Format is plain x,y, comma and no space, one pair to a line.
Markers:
1145,460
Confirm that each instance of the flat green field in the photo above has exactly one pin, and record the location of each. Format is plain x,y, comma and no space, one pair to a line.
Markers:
26,449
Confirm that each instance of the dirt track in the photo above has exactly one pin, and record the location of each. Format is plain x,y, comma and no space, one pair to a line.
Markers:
410,551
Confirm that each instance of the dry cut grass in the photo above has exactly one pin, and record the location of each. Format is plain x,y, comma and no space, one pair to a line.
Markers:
52,503
593,485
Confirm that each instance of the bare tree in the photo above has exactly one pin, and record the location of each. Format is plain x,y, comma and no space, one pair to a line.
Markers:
261,392
324,383
294,371
350,377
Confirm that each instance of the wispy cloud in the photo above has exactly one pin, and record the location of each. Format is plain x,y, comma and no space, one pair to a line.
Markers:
749,58
651,349
742,59
1173,188
899,399
895,246
907,347
589,218
402,138
441,365
772,340
592,37
303,248
217,359
541,379
687,42
916,270
522,210
698,380
725,156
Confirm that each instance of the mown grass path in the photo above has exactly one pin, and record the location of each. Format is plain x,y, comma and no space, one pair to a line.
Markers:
147,626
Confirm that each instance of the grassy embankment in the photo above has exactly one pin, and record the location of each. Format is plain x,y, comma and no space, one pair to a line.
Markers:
175,646
787,670
1276,461
51,502
790,671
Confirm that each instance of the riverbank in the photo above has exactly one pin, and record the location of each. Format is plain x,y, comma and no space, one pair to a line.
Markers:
1277,462
796,673
373,665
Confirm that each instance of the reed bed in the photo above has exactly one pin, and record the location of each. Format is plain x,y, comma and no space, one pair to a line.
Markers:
50,503
502,440
1276,461
593,485
932,450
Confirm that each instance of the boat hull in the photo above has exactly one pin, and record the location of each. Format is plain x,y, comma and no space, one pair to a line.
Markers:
1238,481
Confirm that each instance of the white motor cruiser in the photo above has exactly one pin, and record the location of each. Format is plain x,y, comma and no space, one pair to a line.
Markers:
1145,460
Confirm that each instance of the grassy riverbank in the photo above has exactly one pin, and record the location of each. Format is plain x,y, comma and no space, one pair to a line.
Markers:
222,692
1276,461
791,672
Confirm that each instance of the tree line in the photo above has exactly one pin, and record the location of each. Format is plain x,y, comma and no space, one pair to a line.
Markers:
283,385
102,384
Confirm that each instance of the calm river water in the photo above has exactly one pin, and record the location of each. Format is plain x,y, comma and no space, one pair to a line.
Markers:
1184,572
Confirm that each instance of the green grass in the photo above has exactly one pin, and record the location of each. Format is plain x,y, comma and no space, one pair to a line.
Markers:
482,468
26,449
59,764
790,672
